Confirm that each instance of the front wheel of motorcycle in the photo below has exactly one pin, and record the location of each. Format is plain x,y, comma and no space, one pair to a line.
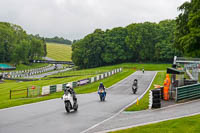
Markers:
134,91
101,99
76,108
67,107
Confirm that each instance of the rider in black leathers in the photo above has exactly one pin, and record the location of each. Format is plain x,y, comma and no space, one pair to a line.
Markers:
135,84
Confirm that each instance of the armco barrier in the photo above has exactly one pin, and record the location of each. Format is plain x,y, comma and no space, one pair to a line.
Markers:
59,87
113,72
106,74
74,84
97,77
89,80
102,76
45,90
63,86
53,88
92,80
188,92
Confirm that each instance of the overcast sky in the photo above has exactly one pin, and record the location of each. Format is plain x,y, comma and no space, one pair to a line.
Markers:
73,19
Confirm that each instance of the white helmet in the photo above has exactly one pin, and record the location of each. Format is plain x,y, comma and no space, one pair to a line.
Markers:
68,86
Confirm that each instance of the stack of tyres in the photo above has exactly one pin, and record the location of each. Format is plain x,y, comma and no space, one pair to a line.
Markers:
156,102
162,89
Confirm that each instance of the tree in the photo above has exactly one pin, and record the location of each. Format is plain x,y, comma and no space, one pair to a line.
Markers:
187,36
87,52
143,42
20,54
18,47
141,39
115,50
164,49
58,40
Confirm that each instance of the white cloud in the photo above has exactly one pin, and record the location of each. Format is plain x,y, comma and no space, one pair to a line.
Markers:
74,19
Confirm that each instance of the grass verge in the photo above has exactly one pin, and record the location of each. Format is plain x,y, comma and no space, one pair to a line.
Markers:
144,102
60,52
181,125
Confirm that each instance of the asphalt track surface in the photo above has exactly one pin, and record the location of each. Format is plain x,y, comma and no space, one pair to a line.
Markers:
132,119
51,69
50,116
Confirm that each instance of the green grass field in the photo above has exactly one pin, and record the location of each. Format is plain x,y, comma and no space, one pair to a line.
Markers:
181,125
144,102
82,74
59,52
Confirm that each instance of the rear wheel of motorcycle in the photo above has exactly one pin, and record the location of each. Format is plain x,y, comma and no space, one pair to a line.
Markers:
67,107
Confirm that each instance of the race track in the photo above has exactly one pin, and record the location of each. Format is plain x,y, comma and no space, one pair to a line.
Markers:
50,116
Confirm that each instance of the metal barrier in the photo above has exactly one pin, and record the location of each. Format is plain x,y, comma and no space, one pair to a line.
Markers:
188,92
53,88
59,87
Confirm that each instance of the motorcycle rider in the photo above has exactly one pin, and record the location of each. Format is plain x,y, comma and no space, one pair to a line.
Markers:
143,70
101,86
135,84
71,91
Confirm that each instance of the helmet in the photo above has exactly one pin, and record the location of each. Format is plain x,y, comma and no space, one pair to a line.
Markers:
68,86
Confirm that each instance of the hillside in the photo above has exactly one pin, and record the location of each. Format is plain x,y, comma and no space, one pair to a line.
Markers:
59,52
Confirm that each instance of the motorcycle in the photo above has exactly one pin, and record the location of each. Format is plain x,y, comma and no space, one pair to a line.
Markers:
70,104
102,94
135,86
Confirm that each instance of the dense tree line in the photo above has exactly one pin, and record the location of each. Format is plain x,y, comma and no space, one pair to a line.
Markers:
17,46
58,40
187,36
138,42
